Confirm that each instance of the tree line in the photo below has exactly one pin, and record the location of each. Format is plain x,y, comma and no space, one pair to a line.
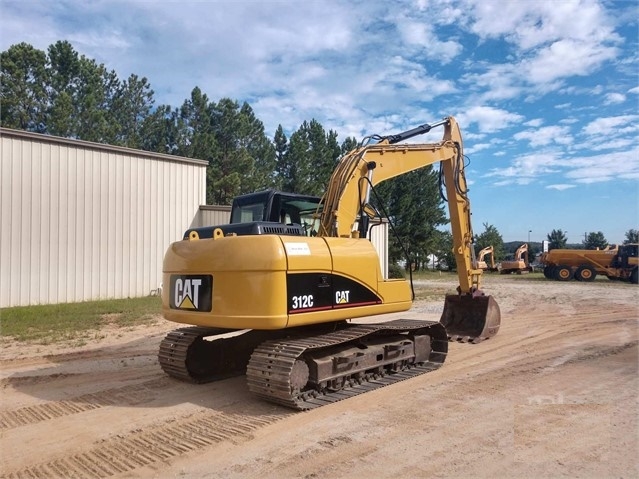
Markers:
63,93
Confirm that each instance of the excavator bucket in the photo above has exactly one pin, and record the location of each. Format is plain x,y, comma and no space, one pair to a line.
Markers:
470,319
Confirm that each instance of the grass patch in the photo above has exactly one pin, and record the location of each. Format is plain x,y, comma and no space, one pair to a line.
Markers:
434,292
51,323
434,275
539,277
430,293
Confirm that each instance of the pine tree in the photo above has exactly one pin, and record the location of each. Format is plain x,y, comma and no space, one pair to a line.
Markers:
557,239
23,88
490,237
595,241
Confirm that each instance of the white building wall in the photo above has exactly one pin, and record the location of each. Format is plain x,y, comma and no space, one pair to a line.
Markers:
213,215
379,237
82,221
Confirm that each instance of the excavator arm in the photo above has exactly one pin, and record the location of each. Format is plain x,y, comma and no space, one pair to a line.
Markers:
521,251
484,252
348,193
468,316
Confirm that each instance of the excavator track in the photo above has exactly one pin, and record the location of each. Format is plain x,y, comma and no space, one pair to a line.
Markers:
199,354
278,370
185,354
275,362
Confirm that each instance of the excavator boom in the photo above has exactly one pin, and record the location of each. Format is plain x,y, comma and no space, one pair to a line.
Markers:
470,315
348,193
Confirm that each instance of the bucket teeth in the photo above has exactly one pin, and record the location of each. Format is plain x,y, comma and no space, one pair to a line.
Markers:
470,318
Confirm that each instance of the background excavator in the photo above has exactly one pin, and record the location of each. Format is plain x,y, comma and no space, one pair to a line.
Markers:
519,264
487,265
269,299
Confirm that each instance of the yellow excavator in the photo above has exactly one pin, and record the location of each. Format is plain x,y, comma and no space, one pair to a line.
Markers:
519,264
481,261
267,299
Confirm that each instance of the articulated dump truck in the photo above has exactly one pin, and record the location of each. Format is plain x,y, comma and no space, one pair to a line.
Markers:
617,263
273,296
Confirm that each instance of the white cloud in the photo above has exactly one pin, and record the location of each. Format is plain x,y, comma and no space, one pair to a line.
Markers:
525,169
421,35
488,119
585,169
569,121
399,72
535,164
603,127
560,187
618,144
477,147
551,41
530,25
601,168
535,123
565,58
546,136
496,81
614,98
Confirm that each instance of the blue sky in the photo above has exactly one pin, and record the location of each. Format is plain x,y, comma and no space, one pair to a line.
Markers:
546,92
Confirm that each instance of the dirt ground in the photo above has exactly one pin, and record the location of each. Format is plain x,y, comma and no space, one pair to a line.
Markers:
554,394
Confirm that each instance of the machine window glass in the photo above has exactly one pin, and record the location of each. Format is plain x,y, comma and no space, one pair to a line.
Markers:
248,213
303,212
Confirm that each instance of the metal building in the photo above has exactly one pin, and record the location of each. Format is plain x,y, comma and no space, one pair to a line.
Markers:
82,221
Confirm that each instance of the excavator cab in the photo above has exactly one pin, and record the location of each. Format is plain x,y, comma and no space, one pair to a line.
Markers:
278,206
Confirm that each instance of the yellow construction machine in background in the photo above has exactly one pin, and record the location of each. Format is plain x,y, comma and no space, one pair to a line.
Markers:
518,265
481,259
617,263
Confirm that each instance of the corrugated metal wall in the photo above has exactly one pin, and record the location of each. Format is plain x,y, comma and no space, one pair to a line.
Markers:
214,215
379,238
83,221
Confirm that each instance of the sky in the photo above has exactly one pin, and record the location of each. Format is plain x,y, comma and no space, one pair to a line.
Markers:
546,92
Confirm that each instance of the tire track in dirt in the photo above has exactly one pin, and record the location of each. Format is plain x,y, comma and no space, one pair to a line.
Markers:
544,344
130,395
542,349
140,393
485,382
59,358
144,447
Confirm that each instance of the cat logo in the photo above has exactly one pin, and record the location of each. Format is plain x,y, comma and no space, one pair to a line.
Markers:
341,297
191,292
186,293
